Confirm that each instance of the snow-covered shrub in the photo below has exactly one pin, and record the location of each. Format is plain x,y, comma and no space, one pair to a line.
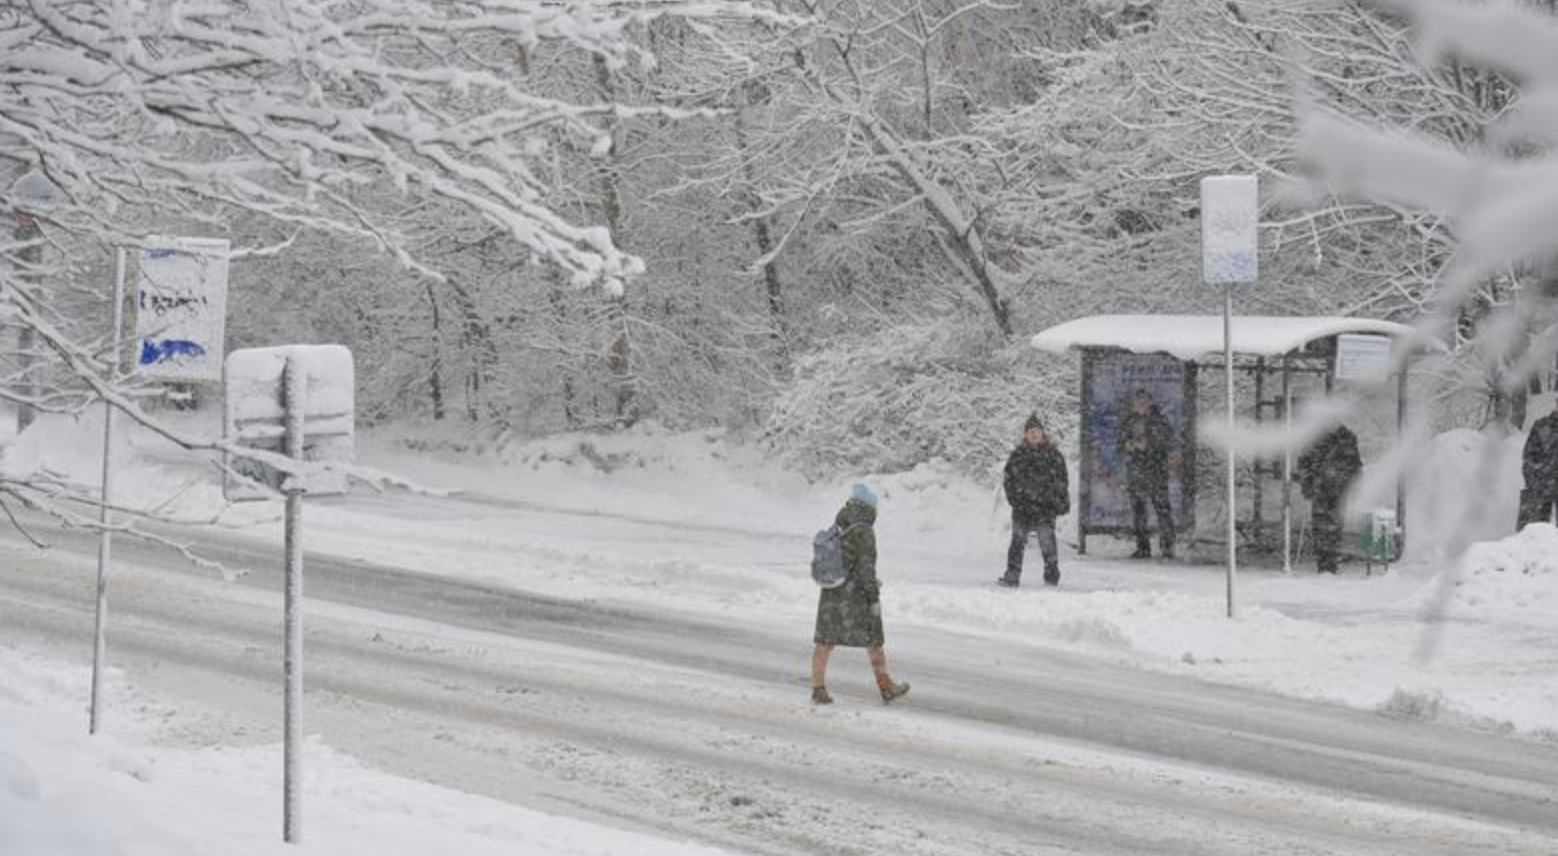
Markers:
905,395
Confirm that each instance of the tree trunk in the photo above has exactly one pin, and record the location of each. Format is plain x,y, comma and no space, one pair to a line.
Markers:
619,357
435,361
761,231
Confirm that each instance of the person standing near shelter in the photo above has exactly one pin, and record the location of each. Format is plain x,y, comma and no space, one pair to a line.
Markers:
1325,471
1539,466
1145,439
1038,490
851,614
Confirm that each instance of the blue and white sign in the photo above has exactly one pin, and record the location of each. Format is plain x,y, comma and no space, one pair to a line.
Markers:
181,309
1230,217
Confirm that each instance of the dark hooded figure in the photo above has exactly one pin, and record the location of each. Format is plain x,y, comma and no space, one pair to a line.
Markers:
1539,466
851,614
1145,440
1325,471
1038,489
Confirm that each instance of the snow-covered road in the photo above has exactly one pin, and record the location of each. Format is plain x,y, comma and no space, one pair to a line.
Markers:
697,726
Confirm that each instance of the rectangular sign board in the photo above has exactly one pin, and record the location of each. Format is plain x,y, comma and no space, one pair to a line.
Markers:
1230,220
1362,357
181,308
256,416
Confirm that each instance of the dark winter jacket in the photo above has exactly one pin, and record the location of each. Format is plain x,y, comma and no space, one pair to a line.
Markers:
1327,468
1145,441
1539,458
1037,486
851,613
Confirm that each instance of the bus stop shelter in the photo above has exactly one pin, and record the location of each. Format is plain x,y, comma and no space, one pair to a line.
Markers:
1165,354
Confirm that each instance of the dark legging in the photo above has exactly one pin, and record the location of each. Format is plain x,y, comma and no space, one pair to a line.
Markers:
1158,495
1021,528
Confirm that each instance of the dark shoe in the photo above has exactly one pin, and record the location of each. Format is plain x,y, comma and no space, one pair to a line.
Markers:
1052,581
892,691
1006,582
819,695
1142,553
1052,576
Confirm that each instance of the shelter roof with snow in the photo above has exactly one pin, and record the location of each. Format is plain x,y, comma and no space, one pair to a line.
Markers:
1191,337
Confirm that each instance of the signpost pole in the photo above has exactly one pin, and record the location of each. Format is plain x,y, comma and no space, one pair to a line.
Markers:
1230,219
295,388
105,519
1233,515
34,191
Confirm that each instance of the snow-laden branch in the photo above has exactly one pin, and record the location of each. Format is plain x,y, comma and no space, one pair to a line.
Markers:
291,110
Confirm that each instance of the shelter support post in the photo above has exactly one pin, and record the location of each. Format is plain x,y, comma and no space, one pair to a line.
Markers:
1401,429
1258,488
1287,466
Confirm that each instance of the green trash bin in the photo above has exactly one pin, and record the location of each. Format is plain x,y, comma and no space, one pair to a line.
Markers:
1377,543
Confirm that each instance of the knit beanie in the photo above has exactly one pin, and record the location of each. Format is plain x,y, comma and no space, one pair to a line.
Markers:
1033,422
864,494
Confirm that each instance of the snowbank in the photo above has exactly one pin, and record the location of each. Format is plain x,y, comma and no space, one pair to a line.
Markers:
1464,488
152,473
64,794
1513,577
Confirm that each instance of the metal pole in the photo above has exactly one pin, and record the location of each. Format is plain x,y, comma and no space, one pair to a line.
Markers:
26,230
1233,508
105,537
1287,467
1401,429
294,390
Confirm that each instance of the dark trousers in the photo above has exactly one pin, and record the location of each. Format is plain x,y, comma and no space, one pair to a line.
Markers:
1158,495
1022,527
1535,508
1325,524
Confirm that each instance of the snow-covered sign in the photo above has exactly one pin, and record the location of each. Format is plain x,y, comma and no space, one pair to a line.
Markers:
1360,357
256,413
1230,215
33,188
32,191
181,308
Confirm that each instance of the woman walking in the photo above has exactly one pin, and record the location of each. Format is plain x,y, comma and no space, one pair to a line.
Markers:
851,614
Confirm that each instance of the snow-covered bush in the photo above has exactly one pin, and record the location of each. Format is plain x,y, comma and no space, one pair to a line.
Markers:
906,395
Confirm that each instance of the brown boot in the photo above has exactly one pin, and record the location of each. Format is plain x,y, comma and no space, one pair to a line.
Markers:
890,690
819,695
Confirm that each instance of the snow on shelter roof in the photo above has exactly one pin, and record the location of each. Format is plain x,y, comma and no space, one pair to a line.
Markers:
1191,337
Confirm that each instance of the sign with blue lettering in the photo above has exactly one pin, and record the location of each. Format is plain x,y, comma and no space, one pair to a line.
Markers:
1230,223
181,308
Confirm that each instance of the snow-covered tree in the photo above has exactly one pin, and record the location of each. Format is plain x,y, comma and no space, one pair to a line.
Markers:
365,120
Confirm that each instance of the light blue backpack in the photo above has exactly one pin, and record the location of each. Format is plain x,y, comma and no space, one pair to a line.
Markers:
827,557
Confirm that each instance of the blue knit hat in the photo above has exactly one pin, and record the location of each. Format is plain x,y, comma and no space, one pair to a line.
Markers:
864,494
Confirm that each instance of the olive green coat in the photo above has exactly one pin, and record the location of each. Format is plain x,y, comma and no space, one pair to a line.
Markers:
851,614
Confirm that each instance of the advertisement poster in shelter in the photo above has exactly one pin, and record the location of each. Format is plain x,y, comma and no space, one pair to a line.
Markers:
1113,380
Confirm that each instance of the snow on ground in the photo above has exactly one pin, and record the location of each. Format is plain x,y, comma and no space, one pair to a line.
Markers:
140,792
698,522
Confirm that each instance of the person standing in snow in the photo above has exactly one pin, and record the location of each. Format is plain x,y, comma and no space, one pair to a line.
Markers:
1145,439
851,614
1038,490
1325,471
1539,466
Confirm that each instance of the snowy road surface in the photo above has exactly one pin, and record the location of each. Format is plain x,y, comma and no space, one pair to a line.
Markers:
700,728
